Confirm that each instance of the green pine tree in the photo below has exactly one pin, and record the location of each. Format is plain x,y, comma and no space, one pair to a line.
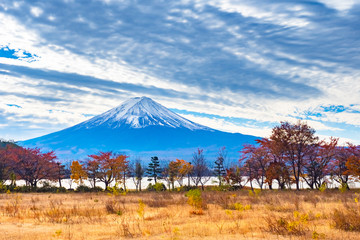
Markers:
153,171
219,169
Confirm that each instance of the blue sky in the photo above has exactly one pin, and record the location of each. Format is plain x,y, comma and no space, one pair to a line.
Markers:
238,66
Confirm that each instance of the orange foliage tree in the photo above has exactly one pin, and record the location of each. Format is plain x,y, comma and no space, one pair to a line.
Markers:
111,167
176,171
122,167
185,170
170,173
78,173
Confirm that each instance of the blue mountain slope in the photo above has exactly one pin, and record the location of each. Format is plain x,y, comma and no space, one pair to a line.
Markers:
140,127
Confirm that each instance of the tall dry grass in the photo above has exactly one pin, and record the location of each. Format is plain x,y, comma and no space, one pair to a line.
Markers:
168,215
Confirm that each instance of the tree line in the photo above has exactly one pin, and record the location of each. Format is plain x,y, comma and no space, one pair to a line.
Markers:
292,154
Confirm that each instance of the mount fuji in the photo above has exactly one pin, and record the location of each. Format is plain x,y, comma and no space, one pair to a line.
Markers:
140,128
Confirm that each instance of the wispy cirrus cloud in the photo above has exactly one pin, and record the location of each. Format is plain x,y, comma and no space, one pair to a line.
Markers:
259,61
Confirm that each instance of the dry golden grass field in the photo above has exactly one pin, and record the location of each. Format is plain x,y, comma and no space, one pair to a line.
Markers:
170,215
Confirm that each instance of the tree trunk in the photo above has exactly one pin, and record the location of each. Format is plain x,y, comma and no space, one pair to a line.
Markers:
251,185
124,179
297,185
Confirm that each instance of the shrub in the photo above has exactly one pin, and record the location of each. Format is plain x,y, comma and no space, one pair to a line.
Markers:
12,207
323,187
115,190
196,201
83,188
255,193
290,225
53,190
224,200
222,188
46,187
347,220
343,187
240,207
315,235
158,200
141,209
157,187
115,207
185,188
22,189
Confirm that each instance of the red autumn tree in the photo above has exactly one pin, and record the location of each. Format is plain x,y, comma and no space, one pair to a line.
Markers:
353,166
122,168
353,162
93,170
6,162
317,165
279,172
201,172
112,167
294,142
235,177
32,166
339,170
107,170
255,160
277,169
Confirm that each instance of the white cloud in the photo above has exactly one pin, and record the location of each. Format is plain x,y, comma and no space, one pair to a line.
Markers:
55,57
342,141
343,117
266,12
332,84
36,11
226,126
52,18
340,5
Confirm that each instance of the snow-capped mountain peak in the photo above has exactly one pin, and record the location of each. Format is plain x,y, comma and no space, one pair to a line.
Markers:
140,112
139,127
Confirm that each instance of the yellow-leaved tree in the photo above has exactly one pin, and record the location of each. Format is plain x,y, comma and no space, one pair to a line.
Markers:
78,173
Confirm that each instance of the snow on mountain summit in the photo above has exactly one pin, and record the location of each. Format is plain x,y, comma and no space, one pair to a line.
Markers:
140,112
138,127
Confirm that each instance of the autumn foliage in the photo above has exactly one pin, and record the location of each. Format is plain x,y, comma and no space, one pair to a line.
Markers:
28,164
293,153
108,167
292,156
